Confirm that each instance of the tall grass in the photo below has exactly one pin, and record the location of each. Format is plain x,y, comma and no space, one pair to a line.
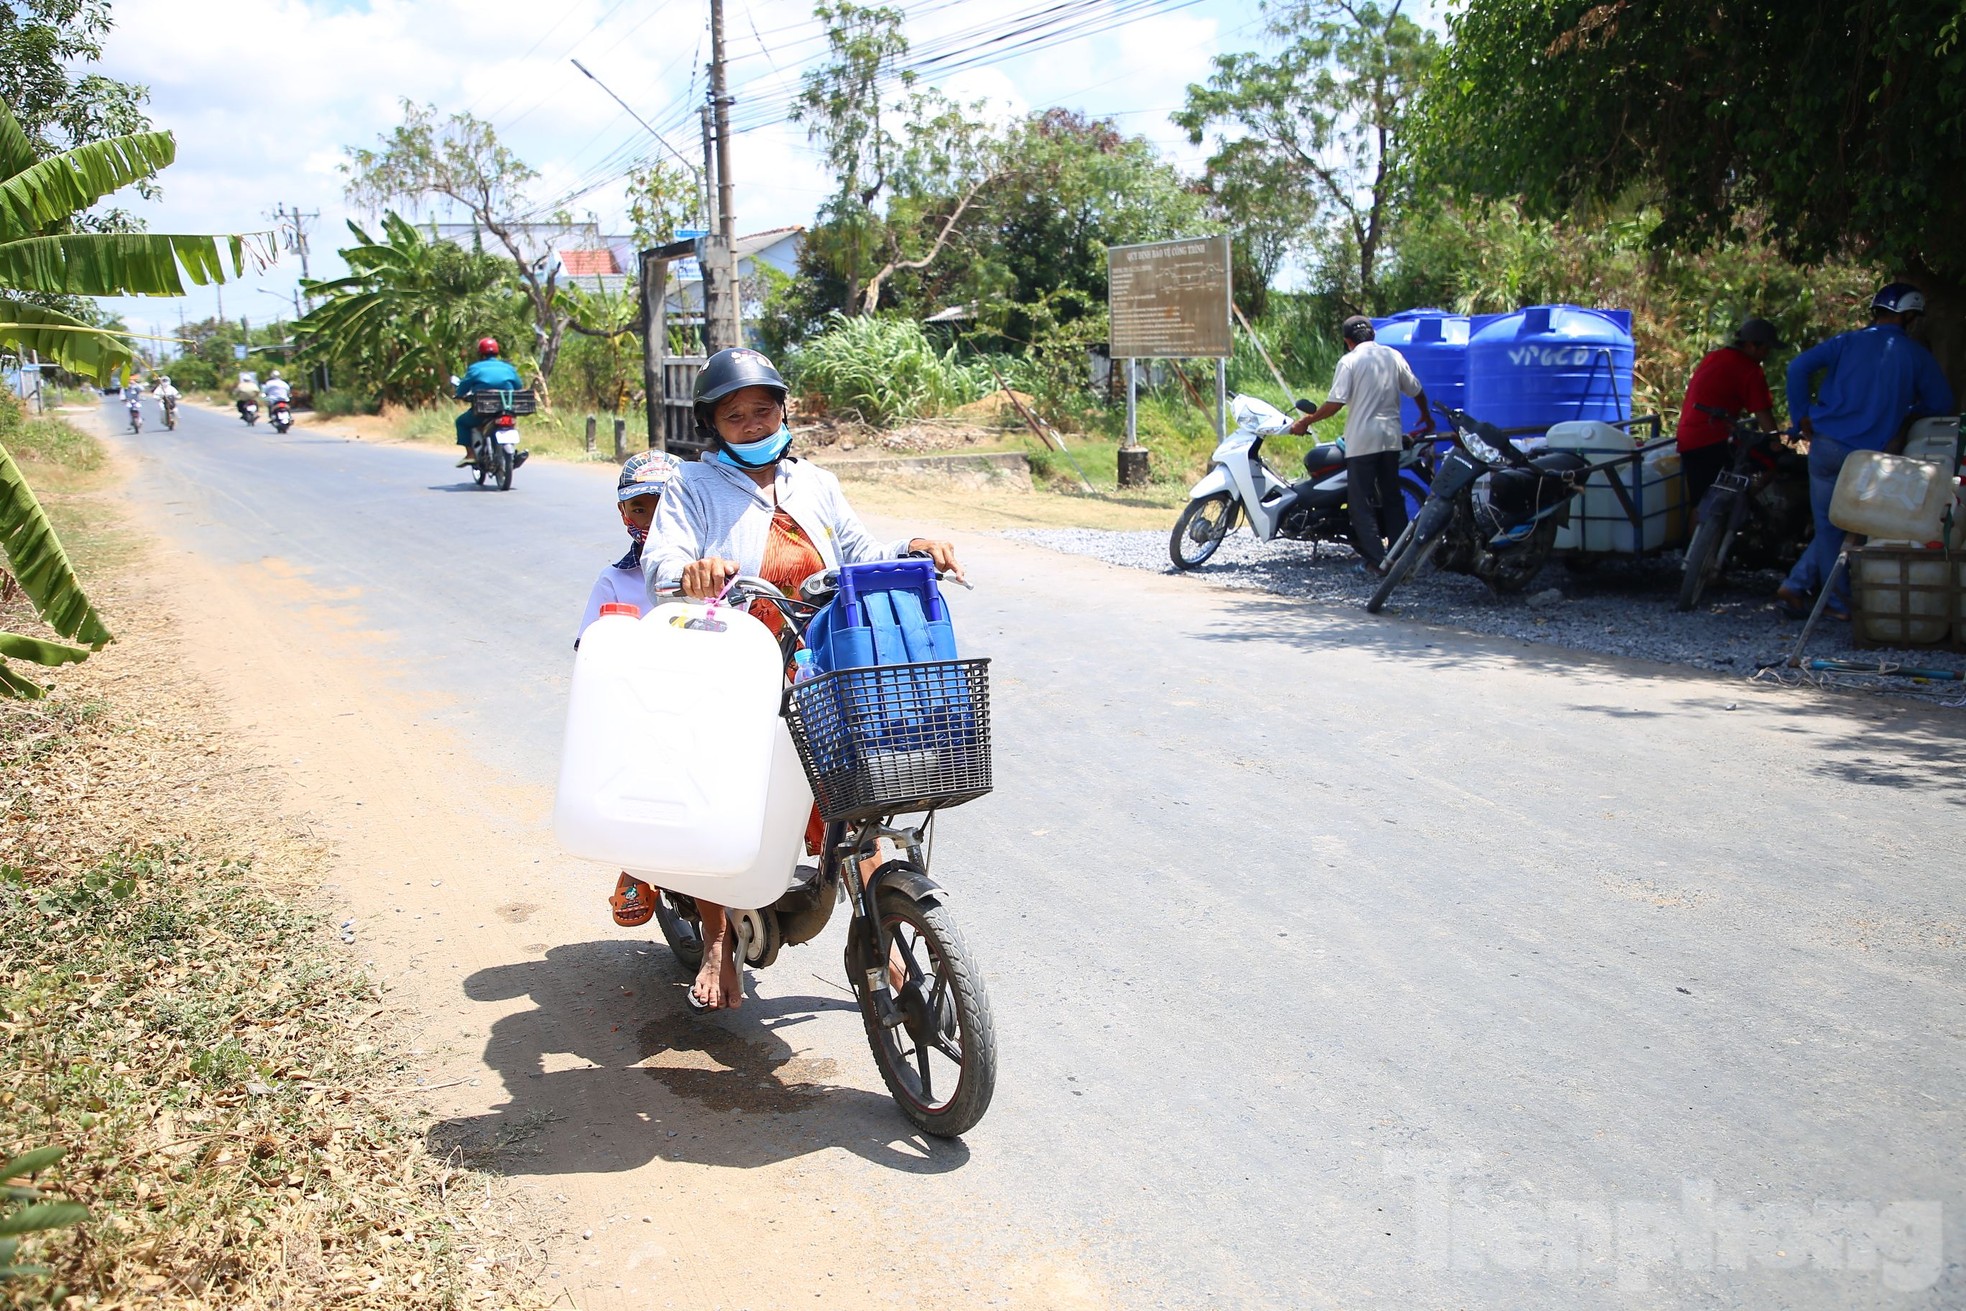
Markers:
880,368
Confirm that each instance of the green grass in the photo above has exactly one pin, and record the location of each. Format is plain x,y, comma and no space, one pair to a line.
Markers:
550,432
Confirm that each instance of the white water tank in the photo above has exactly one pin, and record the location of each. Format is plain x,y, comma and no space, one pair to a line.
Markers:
676,764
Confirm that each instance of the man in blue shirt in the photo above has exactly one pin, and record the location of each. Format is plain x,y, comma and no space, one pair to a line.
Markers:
1874,380
490,373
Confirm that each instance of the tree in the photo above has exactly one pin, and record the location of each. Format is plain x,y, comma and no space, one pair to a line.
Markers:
1839,124
408,310
41,42
1319,127
41,254
460,160
663,199
903,195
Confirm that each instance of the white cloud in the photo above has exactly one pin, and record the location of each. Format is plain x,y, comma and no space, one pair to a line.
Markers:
263,95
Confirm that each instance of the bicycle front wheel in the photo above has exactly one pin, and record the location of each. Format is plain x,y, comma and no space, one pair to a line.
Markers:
1702,559
940,1061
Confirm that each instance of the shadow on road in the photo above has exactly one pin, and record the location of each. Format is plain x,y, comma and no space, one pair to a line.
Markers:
1848,735
651,1081
466,486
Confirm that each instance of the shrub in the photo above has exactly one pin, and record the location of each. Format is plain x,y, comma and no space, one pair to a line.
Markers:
880,368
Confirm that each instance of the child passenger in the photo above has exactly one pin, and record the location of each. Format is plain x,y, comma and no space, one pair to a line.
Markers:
637,493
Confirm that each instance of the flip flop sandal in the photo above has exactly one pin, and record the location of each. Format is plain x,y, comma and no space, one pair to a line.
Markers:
695,1003
633,901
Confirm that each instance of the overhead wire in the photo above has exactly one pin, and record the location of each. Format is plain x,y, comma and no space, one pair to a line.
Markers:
1028,31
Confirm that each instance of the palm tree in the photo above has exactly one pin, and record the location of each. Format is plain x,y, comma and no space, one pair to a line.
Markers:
42,253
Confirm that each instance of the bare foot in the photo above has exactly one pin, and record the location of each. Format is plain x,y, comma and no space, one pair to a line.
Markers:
733,981
708,990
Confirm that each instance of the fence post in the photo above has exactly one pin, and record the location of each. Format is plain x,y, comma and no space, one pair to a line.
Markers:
590,436
620,440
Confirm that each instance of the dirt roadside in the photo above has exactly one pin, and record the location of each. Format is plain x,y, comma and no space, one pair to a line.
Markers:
674,1163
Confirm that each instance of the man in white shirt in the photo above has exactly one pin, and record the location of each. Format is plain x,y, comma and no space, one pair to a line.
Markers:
277,389
1370,380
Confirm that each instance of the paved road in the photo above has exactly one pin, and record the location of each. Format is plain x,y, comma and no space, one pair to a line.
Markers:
1336,962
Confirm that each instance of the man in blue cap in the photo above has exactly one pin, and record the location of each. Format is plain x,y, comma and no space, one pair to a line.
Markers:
1874,380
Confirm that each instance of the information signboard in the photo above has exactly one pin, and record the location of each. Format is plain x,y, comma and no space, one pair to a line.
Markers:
1170,299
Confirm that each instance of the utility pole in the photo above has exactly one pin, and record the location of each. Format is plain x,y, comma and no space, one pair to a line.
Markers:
298,242
726,188
709,256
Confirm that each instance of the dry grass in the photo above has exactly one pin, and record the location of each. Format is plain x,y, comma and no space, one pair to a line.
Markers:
218,1066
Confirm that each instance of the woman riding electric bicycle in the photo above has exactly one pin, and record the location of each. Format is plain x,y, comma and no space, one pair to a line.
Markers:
752,510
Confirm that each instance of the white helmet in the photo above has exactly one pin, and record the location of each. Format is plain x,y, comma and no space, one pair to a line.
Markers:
271,376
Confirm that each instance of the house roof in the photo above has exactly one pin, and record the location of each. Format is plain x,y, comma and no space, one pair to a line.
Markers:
587,263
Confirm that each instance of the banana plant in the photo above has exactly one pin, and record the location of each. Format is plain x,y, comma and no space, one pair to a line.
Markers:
27,1212
40,252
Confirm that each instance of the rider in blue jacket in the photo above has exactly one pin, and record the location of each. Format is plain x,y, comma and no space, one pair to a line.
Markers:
490,373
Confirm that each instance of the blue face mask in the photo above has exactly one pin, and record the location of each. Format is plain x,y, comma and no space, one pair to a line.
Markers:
758,454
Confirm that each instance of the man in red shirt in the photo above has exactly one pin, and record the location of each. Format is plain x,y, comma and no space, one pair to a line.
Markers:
1731,380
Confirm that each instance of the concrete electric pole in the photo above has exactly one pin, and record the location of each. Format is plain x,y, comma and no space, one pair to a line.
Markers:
733,334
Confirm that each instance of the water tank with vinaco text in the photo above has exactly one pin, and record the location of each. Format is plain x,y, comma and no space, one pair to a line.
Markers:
1550,364
1435,344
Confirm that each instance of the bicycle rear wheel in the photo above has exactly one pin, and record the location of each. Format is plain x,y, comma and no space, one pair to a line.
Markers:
940,1061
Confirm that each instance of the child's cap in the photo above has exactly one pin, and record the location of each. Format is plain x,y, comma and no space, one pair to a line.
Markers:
645,474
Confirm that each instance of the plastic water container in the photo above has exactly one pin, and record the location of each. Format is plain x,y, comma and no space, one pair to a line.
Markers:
676,764
1901,595
1892,496
887,613
1598,522
1549,364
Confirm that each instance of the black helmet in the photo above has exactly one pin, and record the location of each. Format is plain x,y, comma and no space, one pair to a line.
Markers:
730,371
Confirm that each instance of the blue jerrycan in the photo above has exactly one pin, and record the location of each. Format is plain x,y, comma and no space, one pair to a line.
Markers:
891,613
886,613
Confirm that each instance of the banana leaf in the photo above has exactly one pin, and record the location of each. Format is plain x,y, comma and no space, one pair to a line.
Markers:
114,263
45,192
38,563
76,346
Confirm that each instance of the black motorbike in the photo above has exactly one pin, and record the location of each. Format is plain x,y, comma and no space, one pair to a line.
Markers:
1757,511
1493,512
495,449
249,412
281,416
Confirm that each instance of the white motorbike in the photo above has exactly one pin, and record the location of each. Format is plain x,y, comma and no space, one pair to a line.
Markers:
1240,484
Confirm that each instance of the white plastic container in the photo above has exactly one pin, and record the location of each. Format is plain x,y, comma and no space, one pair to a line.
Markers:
1598,522
1891,496
1902,595
676,764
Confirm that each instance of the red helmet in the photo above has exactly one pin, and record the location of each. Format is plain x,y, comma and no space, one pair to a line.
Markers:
487,347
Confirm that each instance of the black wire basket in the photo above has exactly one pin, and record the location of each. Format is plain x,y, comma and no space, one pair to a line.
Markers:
893,739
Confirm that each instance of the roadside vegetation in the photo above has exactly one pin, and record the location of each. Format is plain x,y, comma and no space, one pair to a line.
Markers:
959,254
210,1066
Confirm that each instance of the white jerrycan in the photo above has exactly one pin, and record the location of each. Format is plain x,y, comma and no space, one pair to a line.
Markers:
676,764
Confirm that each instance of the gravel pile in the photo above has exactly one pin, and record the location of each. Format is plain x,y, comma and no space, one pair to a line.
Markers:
1620,607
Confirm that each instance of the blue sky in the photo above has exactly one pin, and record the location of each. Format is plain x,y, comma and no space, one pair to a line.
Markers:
264,94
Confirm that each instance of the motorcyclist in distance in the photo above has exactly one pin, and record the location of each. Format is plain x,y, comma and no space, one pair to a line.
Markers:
246,390
490,373
277,389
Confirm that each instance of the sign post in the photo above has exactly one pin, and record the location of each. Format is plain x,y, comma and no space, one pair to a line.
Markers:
1168,300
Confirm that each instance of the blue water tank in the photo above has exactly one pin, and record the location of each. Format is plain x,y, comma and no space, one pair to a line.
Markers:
1549,364
1435,344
